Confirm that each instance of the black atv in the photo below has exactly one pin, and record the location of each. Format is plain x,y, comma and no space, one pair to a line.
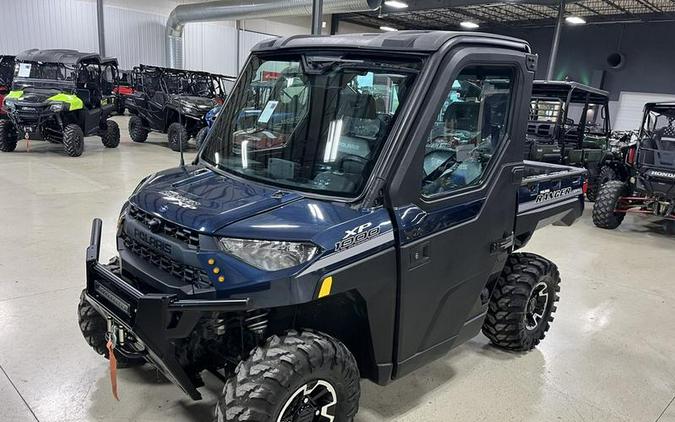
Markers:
59,96
6,76
172,101
651,187
569,124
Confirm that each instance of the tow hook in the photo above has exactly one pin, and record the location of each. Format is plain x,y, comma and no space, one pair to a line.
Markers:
116,334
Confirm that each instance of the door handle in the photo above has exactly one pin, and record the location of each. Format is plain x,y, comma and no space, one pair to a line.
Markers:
419,255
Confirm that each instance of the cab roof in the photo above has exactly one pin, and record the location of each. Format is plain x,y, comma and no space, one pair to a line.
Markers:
56,56
408,41
561,89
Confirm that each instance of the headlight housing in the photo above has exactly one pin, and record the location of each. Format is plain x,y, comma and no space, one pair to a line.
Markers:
269,255
56,107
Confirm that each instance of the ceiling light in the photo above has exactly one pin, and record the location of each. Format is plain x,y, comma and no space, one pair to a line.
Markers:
388,28
394,4
469,25
575,20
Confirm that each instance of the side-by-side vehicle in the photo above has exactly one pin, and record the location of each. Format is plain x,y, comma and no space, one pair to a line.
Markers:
348,227
172,101
569,124
60,96
650,189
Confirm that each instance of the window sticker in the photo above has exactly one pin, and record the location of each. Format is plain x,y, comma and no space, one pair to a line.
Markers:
24,70
268,111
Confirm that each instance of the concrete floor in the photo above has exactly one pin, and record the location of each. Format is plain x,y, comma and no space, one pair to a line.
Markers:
610,354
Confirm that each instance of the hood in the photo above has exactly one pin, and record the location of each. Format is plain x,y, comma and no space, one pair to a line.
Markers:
202,200
35,95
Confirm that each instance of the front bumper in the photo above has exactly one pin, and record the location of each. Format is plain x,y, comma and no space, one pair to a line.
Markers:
155,319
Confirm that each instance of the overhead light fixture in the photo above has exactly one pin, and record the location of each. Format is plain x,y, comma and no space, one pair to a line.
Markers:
394,4
469,25
575,20
388,28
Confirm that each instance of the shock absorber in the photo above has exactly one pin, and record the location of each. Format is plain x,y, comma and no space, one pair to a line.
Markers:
256,321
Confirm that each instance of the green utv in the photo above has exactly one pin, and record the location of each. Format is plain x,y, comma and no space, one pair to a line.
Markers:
60,96
569,124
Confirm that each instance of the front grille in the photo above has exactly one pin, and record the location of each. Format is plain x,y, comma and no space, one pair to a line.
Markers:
187,236
189,274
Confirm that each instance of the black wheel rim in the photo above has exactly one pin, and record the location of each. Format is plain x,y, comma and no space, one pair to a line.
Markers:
313,402
537,305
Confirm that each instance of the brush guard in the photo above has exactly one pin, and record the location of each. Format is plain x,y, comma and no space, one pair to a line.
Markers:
153,319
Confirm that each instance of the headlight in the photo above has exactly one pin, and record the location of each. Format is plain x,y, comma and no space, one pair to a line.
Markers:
269,255
8,105
57,107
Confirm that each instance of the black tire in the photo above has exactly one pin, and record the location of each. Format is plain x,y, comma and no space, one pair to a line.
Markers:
110,135
277,376
94,327
8,136
670,227
177,135
608,199
521,308
73,140
606,174
201,136
137,130
120,106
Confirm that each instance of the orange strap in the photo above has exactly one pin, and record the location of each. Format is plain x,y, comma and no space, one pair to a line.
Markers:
113,369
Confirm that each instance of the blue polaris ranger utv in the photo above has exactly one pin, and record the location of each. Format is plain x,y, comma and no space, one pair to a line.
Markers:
361,223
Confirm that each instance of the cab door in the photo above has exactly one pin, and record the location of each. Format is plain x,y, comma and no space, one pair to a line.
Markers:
454,198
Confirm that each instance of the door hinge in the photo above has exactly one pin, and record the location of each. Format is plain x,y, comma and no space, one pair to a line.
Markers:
504,244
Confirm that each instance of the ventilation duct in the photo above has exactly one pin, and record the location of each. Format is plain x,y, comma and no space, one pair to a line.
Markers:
235,10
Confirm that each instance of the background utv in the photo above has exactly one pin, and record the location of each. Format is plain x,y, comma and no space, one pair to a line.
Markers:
172,101
341,232
60,96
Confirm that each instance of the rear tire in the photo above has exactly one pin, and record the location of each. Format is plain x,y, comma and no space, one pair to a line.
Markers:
8,136
111,134
94,328
608,199
73,140
137,130
523,302
274,382
606,174
177,134
120,106
201,136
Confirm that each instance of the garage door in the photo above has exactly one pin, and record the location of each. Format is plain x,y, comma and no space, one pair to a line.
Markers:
630,106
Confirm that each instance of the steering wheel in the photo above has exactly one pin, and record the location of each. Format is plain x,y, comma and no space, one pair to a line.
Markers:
451,161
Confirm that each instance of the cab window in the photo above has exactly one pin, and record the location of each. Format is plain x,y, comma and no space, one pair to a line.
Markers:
468,129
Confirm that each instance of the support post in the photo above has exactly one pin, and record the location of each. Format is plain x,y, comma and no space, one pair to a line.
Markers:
556,41
101,32
317,16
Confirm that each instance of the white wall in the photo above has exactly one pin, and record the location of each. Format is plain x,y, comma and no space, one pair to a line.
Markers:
134,32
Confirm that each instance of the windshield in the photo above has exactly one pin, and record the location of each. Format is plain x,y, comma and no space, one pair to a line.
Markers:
314,124
49,71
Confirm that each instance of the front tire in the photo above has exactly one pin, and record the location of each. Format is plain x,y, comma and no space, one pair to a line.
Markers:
137,130
303,375
73,140
177,134
609,196
606,174
521,309
94,328
8,136
201,136
111,134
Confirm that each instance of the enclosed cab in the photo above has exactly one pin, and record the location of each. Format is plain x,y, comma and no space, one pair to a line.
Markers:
650,189
174,102
569,124
59,96
356,219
